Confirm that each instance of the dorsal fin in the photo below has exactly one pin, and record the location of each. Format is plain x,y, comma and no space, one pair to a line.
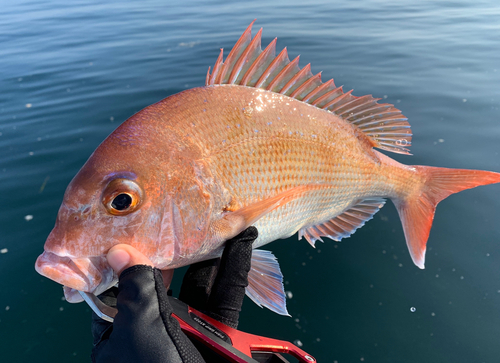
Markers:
248,65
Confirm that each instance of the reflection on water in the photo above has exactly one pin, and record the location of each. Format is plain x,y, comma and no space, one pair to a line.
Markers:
73,71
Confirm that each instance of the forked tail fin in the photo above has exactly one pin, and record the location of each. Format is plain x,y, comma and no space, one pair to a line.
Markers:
417,211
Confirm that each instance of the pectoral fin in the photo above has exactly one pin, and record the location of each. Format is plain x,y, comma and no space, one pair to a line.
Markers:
232,223
265,282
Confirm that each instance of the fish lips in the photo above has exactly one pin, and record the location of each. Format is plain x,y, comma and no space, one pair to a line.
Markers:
89,274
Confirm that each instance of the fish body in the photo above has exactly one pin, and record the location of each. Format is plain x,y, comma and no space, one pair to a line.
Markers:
264,143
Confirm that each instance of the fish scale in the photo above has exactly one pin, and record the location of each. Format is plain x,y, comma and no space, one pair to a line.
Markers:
263,143
261,165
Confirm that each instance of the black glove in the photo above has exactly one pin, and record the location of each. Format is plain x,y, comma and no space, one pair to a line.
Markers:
220,295
145,331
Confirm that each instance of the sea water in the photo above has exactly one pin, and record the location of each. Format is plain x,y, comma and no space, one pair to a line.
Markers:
72,71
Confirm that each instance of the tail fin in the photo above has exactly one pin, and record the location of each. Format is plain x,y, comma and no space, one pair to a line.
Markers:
417,211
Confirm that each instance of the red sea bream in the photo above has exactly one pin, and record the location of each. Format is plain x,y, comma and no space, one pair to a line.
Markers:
263,143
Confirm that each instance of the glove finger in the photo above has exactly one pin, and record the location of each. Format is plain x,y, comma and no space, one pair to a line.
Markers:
197,283
229,286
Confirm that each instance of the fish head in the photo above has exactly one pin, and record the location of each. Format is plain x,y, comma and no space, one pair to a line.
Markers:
94,216
123,194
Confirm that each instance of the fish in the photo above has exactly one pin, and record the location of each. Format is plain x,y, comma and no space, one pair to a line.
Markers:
263,143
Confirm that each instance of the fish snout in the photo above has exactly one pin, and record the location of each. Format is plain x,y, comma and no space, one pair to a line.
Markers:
89,274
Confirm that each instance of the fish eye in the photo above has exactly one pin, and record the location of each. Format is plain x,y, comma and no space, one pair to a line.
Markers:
122,201
122,196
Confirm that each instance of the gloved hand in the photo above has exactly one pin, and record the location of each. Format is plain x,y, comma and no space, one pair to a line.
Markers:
143,329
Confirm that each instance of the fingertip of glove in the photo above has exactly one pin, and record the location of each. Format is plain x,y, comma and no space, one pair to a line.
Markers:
249,234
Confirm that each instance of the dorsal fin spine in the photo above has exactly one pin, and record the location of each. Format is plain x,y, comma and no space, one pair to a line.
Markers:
267,55
321,101
304,87
235,52
334,103
275,64
341,101
246,58
288,87
207,77
283,76
317,92
217,66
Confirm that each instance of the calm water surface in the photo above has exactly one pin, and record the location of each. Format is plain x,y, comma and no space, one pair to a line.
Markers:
72,71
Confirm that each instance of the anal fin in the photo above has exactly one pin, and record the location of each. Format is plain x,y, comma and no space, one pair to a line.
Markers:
344,224
265,282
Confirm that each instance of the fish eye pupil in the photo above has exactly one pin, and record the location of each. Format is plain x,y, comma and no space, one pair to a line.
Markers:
121,201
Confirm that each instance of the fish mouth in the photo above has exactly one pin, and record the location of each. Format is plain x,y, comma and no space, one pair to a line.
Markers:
89,274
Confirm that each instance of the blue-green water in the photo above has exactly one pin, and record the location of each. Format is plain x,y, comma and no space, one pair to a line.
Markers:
72,71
